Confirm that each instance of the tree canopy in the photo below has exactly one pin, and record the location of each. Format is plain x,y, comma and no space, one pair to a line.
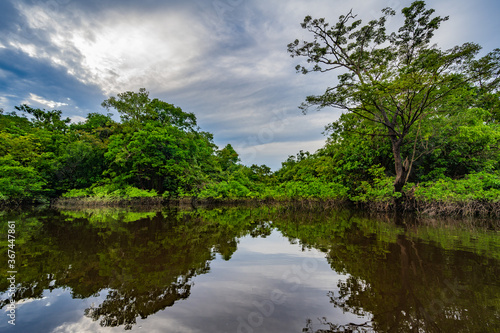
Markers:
394,80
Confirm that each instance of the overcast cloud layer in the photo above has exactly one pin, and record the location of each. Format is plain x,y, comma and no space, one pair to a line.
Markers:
224,60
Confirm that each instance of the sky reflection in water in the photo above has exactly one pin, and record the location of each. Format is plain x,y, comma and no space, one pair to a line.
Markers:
232,270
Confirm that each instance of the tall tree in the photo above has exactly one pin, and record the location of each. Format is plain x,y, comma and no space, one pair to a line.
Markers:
392,79
136,108
49,120
227,157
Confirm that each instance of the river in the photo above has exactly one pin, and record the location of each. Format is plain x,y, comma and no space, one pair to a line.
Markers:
266,269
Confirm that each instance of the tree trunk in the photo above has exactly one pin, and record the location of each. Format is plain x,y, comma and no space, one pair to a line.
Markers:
400,168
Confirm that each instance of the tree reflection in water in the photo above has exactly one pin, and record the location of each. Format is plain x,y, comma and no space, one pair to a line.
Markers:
406,284
406,279
335,328
145,260
122,309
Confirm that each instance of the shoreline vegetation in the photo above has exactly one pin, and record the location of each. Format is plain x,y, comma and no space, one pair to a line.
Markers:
451,202
457,209
475,195
464,209
420,132
164,159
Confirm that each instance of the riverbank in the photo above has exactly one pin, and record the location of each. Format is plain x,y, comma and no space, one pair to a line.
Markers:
412,205
465,208
193,202
475,195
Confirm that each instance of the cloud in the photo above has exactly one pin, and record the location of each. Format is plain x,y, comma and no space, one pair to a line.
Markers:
224,60
77,119
41,100
4,103
117,50
21,75
275,152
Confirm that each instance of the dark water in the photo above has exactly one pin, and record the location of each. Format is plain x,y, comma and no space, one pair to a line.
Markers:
248,270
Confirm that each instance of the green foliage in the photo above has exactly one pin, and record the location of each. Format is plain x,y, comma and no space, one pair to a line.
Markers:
133,192
227,157
137,108
49,120
13,124
394,80
157,149
466,143
479,186
17,182
379,189
414,113
163,158
312,189
110,191
76,193
225,190
101,126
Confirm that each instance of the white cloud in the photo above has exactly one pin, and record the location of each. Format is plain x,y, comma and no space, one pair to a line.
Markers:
82,325
29,49
77,119
41,100
4,102
275,152
120,50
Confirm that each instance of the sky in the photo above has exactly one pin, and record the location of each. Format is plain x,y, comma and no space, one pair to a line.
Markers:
224,60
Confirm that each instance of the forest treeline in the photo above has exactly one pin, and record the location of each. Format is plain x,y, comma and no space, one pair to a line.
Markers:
158,151
420,130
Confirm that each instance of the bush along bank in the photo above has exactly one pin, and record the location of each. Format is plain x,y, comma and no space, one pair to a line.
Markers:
476,194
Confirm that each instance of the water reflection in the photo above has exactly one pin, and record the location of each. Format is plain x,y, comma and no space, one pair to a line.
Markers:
407,280
377,276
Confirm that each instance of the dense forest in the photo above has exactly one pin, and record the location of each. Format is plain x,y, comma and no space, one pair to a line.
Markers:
420,129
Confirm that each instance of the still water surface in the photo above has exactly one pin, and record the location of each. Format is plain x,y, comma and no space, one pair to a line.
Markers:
249,270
